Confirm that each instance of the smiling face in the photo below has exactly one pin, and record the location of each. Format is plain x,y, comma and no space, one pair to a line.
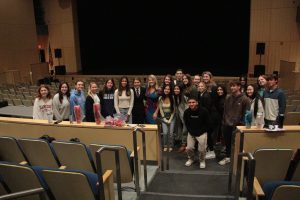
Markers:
206,78
193,104
79,86
167,90
44,92
64,88
109,84
136,83
250,91
262,81
93,88
123,82
220,91
201,87
176,90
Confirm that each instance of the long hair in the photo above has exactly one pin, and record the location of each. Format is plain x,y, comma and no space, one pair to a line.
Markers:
39,96
178,97
155,80
60,94
105,89
170,96
256,97
127,88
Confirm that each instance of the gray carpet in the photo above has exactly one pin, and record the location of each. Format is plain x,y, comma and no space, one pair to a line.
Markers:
155,196
190,183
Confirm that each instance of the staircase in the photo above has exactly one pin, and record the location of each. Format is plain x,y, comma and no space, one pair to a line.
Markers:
189,183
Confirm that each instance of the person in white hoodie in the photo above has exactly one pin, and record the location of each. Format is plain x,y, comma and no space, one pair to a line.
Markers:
42,107
61,102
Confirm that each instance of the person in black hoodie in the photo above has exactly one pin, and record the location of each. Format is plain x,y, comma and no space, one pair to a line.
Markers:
197,123
107,98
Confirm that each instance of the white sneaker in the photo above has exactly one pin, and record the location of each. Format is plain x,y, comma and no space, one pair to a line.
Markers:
210,155
202,165
224,161
189,162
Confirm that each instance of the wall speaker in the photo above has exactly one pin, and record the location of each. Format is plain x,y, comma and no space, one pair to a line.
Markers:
260,48
42,55
57,53
60,70
259,70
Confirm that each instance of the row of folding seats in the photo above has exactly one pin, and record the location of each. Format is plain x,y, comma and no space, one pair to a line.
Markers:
53,183
64,155
273,168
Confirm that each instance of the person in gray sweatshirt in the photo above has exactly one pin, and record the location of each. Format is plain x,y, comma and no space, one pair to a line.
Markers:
61,102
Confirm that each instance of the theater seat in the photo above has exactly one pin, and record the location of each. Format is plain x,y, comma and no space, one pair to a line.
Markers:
74,155
10,151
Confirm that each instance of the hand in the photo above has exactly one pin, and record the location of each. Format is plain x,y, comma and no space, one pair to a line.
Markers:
154,116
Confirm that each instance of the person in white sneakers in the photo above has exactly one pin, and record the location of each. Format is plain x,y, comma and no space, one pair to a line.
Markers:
197,124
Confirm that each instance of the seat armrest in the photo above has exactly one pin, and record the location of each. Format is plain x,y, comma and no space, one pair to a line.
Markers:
257,188
23,163
132,153
63,167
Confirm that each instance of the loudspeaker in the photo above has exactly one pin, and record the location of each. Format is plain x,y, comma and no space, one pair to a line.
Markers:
298,14
259,70
42,57
60,70
260,48
57,53
276,73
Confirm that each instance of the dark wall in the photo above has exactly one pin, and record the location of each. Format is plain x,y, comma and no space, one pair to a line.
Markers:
158,36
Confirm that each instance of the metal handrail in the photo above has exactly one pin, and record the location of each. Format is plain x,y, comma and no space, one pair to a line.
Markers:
25,193
136,171
250,175
115,149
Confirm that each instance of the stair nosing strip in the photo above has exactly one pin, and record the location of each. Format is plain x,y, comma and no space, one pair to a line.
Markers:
188,195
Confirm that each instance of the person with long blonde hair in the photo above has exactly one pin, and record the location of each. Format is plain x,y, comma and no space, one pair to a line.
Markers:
92,97
151,100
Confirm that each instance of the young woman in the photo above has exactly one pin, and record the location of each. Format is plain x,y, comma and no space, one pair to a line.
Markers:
168,80
151,108
219,105
256,103
91,98
243,81
123,99
167,112
262,84
107,98
188,90
61,102
42,107
180,104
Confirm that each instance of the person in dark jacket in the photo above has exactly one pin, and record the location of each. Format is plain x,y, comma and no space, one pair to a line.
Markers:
138,110
107,98
91,98
196,119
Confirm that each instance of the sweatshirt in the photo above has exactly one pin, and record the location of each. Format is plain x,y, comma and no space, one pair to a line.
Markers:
42,109
61,110
196,121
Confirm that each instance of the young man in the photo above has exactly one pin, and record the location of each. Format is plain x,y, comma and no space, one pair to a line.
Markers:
77,98
178,77
138,110
235,107
197,124
275,102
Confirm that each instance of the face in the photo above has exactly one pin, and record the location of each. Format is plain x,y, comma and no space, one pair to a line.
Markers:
262,81
272,83
109,84
250,91
64,88
167,80
179,75
93,88
220,91
201,87
176,90
196,80
235,89
243,81
151,82
206,78
192,104
185,80
167,90
79,86
44,92
136,83
123,82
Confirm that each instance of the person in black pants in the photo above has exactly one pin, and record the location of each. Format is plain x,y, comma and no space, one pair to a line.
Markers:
138,111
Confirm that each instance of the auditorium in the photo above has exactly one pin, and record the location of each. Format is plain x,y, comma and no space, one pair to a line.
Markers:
150,100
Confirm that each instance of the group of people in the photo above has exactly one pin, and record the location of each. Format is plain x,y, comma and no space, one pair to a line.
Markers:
193,111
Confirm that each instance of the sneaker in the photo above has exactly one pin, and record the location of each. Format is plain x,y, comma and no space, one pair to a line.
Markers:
224,161
210,155
189,162
202,165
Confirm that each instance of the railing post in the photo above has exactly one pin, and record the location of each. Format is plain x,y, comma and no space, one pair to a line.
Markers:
115,149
